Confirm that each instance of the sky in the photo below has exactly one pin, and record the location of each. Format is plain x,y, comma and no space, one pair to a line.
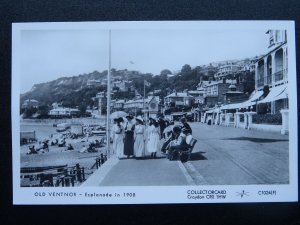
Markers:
46,55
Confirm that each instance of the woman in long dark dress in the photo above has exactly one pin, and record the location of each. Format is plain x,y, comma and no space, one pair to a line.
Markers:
129,137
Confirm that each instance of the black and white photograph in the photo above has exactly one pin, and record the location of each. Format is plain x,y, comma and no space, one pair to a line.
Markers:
154,112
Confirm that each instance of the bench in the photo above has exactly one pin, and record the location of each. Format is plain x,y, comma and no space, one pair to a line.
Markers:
183,155
186,154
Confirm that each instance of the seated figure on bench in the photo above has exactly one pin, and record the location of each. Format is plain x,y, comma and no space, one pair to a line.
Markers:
172,135
182,143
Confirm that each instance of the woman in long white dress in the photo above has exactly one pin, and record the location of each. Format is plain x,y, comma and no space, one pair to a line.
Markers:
139,139
153,134
118,135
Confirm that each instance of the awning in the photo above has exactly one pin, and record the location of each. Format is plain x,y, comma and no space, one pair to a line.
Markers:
252,100
282,95
249,102
276,93
178,114
216,110
233,106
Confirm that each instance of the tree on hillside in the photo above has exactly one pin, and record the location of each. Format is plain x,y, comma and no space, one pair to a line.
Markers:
186,69
165,72
43,111
247,79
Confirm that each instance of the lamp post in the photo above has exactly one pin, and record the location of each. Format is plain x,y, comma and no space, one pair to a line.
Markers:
108,98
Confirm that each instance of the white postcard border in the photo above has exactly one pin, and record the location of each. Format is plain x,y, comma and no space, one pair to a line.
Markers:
155,194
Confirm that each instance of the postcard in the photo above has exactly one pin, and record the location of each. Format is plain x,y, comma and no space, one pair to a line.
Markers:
154,112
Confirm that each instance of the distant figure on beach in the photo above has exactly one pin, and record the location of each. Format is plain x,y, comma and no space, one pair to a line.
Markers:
139,138
46,145
70,147
55,142
117,136
84,149
153,137
129,139
61,142
31,150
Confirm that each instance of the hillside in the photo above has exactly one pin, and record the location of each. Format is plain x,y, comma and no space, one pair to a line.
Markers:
74,91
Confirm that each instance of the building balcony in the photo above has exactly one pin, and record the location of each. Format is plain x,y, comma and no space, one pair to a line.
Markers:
260,82
278,76
271,79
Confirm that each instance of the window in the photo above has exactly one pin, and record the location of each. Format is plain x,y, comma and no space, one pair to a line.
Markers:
277,36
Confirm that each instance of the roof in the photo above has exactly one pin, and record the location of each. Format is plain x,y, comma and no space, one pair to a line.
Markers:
234,92
178,114
194,92
274,49
251,101
30,100
179,94
64,109
221,82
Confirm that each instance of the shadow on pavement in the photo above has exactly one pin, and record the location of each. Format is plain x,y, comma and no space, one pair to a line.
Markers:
258,140
197,156
149,158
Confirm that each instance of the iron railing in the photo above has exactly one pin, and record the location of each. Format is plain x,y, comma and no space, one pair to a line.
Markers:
275,77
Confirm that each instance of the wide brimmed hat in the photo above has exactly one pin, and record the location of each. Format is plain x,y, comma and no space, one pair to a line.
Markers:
140,119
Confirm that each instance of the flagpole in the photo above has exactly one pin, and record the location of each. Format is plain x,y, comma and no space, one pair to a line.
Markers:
108,98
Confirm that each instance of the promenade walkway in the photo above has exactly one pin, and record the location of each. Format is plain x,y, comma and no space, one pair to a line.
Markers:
222,156
132,172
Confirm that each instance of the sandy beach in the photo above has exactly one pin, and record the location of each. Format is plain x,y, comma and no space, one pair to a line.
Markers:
58,155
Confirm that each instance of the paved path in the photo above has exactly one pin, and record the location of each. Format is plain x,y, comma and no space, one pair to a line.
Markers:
227,155
146,172
222,156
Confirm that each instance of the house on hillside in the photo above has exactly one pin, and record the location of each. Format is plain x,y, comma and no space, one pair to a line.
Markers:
62,112
30,103
214,91
227,71
198,95
149,108
118,105
209,70
96,83
179,100
123,85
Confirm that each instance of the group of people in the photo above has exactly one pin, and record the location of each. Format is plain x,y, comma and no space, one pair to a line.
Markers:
41,147
133,137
